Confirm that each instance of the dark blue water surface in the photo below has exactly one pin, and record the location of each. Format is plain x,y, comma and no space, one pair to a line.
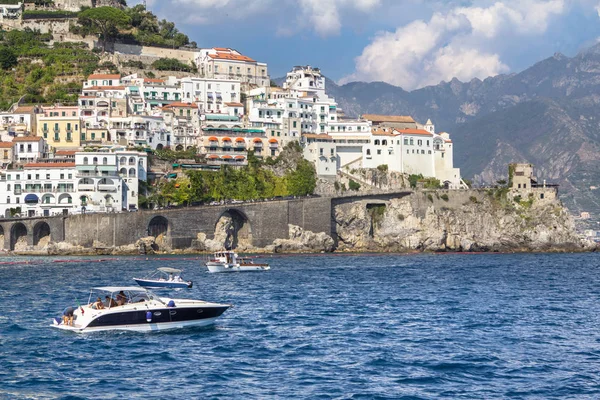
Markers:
321,326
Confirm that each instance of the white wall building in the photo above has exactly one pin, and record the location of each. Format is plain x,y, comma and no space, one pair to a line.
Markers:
226,63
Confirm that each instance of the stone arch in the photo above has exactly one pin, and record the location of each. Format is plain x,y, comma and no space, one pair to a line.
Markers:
18,236
179,147
41,234
159,228
233,230
159,146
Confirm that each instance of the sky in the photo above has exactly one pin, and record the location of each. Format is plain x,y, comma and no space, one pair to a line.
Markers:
407,43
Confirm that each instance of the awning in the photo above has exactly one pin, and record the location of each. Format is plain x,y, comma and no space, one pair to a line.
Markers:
239,157
272,140
257,140
226,157
213,139
213,156
31,198
241,140
218,95
226,139
210,95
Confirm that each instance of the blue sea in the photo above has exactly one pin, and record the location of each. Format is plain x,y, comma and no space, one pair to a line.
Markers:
426,326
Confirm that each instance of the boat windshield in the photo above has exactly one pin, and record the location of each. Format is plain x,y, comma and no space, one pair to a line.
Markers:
119,296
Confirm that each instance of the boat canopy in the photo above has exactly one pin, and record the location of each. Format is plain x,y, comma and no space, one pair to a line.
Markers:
119,288
169,270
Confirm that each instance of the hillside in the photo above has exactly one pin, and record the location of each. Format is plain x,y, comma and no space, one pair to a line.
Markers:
547,115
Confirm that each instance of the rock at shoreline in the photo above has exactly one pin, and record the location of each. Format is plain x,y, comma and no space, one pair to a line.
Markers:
301,240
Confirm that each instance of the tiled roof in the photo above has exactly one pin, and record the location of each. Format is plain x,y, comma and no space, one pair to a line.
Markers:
221,55
26,139
389,118
24,109
50,165
234,104
65,152
414,132
6,145
383,132
104,76
150,80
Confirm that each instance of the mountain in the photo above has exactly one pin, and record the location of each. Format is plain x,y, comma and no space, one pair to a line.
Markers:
548,115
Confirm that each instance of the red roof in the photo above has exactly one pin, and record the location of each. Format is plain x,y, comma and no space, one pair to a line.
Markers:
239,139
50,165
226,157
104,76
27,139
65,152
149,80
6,145
257,140
213,156
239,157
212,139
226,139
273,140
234,104
221,55
414,132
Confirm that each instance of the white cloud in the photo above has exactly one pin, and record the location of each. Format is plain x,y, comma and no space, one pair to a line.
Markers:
322,16
455,43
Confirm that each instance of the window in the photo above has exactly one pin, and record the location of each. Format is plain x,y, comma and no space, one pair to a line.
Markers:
85,161
37,176
47,176
29,148
70,176
419,142
378,152
62,176
104,161
384,142
95,160
541,195
21,148
294,124
64,114
368,152
411,141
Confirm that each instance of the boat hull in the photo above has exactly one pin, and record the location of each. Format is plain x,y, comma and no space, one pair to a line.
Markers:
145,319
221,267
148,283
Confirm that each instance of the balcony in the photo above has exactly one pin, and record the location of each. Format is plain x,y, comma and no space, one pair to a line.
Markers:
86,187
103,187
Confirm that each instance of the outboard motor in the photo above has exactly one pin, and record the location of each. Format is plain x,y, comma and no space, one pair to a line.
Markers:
149,316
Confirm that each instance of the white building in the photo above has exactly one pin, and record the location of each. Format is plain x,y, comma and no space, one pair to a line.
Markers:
225,63
211,95
28,148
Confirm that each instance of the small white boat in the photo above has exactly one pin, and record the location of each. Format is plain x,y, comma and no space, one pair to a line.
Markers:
229,261
136,309
164,277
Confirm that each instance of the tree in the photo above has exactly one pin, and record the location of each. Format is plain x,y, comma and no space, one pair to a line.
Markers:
104,21
302,181
8,59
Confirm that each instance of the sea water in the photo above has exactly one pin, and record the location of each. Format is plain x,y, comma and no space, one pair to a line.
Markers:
425,326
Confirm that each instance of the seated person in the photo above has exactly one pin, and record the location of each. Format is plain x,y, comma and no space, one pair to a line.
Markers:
121,298
98,305
68,316
110,302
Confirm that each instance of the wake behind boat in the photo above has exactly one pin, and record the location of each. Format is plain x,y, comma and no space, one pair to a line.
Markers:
229,261
136,309
164,277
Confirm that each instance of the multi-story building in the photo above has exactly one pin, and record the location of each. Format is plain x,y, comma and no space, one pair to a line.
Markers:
102,80
211,95
59,126
19,120
225,63
28,149
6,153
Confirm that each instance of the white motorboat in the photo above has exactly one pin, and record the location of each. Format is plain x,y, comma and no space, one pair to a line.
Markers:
229,261
136,309
164,278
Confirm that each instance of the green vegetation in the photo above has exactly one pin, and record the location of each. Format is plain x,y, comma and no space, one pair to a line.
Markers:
382,168
444,197
430,197
413,179
171,64
473,199
511,173
352,185
133,25
428,183
42,74
133,64
103,21
48,14
376,212
254,181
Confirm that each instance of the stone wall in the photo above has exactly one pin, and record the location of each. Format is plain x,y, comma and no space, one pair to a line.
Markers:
266,221
147,54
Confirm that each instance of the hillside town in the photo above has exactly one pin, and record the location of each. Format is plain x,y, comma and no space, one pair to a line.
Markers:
90,157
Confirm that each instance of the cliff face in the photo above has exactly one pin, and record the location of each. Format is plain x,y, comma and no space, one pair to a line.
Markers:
471,220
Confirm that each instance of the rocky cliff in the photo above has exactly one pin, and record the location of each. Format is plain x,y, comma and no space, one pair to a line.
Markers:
470,220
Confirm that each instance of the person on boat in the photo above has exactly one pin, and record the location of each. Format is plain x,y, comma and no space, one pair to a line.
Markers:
170,277
110,302
98,305
121,298
68,316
